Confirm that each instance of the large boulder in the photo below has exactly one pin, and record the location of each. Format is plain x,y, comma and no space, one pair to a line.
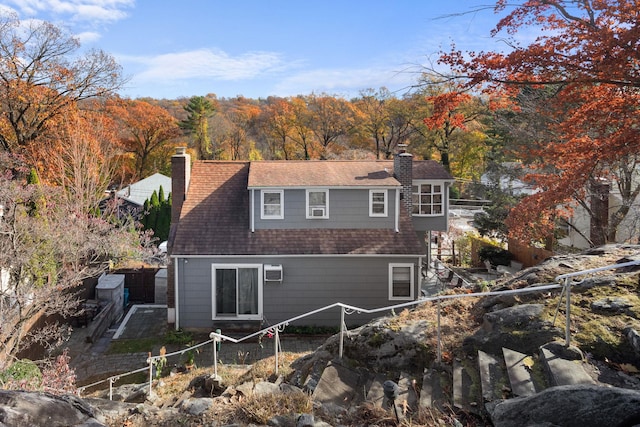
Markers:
521,326
569,406
29,409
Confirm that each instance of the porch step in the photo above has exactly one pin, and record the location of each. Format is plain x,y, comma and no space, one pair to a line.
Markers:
519,372
436,389
560,369
466,386
493,378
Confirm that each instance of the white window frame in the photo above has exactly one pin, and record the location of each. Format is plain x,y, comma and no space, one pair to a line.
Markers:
385,203
264,215
416,198
411,267
238,316
308,207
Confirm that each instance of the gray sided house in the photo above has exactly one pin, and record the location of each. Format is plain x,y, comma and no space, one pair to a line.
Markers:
257,243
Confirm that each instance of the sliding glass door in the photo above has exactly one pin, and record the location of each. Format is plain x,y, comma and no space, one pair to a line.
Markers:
237,291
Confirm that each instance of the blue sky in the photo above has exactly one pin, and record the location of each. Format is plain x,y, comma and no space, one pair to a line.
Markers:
180,48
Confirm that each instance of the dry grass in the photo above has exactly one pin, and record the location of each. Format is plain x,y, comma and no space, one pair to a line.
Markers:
260,409
264,369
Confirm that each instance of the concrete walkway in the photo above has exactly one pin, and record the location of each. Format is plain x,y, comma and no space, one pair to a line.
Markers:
92,362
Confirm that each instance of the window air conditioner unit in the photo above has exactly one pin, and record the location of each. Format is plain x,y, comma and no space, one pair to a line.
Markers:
317,212
272,273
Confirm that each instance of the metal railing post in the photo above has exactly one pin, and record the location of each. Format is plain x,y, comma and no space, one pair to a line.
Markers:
341,332
111,388
215,357
276,341
150,374
567,284
439,341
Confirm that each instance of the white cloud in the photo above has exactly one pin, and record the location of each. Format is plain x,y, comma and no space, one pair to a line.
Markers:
94,11
88,37
206,63
351,81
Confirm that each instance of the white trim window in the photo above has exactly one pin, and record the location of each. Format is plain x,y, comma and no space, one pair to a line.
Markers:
401,281
378,202
237,291
427,199
272,204
317,204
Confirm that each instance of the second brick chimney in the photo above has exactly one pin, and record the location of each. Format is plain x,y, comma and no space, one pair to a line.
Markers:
403,172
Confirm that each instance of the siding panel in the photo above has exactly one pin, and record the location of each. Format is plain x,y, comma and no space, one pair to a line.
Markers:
347,209
309,283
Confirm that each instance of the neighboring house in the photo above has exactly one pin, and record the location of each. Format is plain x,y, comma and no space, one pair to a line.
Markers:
604,201
509,180
132,197
260,242
142,190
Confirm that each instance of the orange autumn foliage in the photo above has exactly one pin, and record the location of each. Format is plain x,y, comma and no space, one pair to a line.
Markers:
144,129
588,51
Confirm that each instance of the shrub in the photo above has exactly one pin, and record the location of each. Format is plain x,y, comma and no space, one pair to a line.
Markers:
22,374
495,255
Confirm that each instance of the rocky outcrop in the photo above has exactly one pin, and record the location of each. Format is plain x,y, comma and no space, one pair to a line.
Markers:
567,406
520,326
28,409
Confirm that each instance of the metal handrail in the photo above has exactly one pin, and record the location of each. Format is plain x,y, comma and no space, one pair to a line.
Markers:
217,337
567,290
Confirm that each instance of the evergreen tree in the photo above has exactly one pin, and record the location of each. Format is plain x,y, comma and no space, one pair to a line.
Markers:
197,124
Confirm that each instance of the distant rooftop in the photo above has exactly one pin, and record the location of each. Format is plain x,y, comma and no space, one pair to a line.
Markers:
142,190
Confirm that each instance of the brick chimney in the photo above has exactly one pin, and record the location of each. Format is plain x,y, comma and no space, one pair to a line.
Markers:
180,177
403,172
599,211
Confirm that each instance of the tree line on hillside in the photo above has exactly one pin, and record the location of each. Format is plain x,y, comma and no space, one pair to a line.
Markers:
563,108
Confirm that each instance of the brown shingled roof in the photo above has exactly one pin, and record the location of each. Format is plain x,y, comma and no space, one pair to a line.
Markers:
321,173
215,221
429,169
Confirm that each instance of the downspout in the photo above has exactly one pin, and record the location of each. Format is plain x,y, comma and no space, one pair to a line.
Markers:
251,210
397,210
446,203
175,286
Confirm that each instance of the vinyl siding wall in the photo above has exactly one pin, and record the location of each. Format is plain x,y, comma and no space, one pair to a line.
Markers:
348,208
308,283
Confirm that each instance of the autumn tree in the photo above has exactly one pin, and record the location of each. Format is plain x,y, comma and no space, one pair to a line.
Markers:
241,114
385,119
453,112
586,50
199,110
331,119
41,74
45,257
145,128
79,153
277,123
302,134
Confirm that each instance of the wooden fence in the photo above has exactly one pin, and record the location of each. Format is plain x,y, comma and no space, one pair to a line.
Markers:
527,255
141,283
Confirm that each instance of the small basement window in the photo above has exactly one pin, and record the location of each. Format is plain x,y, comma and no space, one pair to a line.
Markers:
401,282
